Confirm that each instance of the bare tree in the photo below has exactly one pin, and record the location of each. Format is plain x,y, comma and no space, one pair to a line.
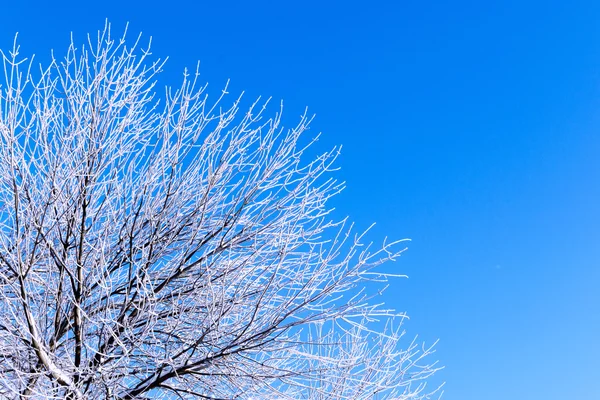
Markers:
177,248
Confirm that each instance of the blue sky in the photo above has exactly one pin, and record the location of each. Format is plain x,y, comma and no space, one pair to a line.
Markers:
471,127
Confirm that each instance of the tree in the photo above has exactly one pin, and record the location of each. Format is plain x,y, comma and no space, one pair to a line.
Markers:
174,248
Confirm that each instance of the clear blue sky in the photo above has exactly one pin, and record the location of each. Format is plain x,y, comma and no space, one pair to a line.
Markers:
472,127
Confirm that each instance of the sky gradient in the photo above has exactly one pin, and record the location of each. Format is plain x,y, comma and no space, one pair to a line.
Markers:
472,128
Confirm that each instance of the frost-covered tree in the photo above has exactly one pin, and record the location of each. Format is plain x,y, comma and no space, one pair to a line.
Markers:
168,246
